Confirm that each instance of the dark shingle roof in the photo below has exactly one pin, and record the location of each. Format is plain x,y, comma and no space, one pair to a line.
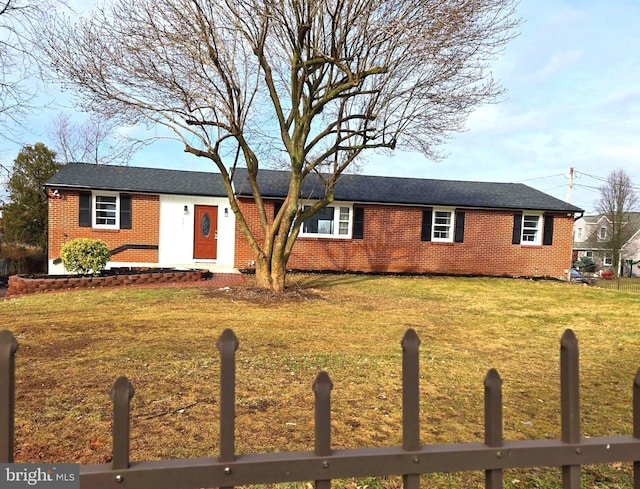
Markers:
350,188
135,179
394,190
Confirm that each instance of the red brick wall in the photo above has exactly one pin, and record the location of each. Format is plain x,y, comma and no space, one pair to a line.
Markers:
392,243
145,220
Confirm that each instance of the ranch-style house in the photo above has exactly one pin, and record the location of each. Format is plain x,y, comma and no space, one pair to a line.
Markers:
182,219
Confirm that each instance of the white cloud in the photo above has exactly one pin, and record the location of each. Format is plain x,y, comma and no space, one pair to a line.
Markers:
558,63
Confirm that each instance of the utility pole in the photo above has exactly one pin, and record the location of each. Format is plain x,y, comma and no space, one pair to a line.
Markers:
570,185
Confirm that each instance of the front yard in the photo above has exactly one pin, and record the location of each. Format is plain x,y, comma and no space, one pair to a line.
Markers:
73,345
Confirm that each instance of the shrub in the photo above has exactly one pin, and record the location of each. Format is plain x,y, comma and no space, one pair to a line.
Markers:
84,255
586,264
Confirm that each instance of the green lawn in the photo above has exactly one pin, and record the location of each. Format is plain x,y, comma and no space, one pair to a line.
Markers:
73,345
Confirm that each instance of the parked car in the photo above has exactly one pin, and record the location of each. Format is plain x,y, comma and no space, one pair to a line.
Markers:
579,278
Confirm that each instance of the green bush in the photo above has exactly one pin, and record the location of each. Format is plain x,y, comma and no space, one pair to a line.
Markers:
586,264
84,255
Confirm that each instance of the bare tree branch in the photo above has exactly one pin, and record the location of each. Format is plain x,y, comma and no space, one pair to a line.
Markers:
94,141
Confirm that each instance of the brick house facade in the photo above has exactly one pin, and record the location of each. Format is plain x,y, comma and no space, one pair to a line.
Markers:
375,224
64,225
392,242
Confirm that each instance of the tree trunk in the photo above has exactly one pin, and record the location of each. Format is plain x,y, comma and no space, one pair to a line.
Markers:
271,273
263,273
278,275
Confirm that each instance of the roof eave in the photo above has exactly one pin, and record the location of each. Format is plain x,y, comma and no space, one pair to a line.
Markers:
130,190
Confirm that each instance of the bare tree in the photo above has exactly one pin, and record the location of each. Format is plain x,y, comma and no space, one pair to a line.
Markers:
17,87
618,203
13,72
315,82
12,67
94,141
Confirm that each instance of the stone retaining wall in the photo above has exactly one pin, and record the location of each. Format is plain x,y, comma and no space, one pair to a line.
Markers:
24,285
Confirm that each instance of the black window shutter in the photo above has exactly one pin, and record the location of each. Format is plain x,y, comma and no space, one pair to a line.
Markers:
517,227
358,222
125,211
547,237
427,215
459,234
276,207
84,210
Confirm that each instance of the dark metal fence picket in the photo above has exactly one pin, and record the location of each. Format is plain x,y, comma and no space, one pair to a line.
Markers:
324,464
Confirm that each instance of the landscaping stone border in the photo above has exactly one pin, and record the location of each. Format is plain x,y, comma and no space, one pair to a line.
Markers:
21,284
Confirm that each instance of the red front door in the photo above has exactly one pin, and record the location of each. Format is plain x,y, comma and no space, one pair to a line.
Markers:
205,236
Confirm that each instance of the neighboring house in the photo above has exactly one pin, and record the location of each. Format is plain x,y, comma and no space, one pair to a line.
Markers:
591,238
170,218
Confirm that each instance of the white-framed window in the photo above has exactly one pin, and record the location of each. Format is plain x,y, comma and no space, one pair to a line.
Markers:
607,260
589,254
579,234
531,228
442,225
603,233
333,221
106,210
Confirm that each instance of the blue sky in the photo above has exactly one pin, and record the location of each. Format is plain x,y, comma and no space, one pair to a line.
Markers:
573,100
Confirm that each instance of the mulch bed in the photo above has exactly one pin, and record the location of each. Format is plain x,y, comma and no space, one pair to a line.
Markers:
255,295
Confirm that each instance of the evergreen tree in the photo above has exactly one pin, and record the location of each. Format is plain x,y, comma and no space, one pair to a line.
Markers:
25,216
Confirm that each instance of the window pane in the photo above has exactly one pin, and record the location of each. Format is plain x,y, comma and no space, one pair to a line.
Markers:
530,221
343,227
320,223
325,226
106,210
205,225
442,225
443,218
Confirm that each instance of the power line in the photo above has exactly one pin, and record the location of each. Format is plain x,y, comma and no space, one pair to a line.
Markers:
554,188
541,178
601,179
587,186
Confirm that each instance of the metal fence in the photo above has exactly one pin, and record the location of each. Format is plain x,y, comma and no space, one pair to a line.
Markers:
323,463
625,284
